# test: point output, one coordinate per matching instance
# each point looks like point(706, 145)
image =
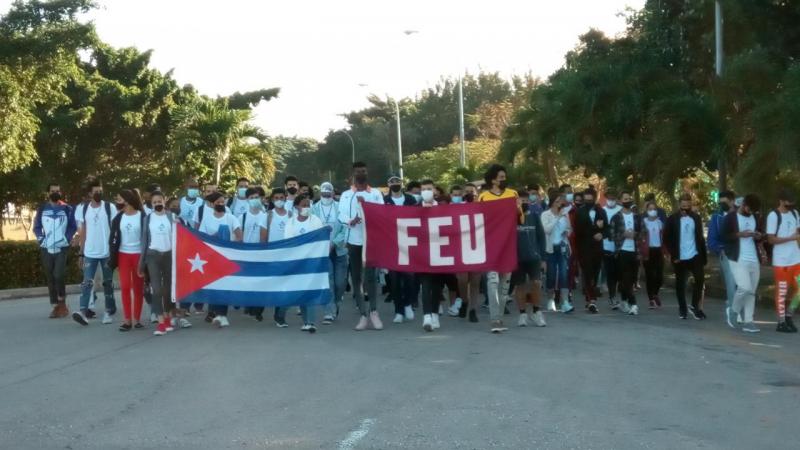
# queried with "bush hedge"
point(23, 266)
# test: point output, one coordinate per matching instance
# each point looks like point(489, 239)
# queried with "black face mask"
point(120, 206)
point(219, 208)
point(159, 208)
point(292, 190)
point(55, 196)
point(627, 205)
point(469, 198)
point(176, 211)
point(588, 203)
point(361, 178)
point(395, 188)
point(686, 211)
point(502, 184)
point(525, 207)
point(97, 196)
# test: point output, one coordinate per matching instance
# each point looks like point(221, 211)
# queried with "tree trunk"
point(219, 168)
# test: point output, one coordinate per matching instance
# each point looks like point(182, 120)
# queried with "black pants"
point(654, 272)
point(612, 272)
point(628, 267)
point(403, 289)
point(590, 271)
point(54, 266)
point(364, 278)
point(682, 270)
point(431, 291)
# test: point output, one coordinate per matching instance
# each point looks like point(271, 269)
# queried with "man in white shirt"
point(683, 236)
point(191, 203)
point(783, 228)
point(277, 220)
point(94, 221)
point(740, 232)
point(610, 265)
point(327, 209)
point(238, 203)
point(351, 215)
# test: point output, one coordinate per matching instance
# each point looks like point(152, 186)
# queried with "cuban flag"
point(207, 269)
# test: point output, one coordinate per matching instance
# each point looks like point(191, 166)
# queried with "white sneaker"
point(634, 311)
point(739, 319)
point(614, 303)
point(184, 323)
point(538, 319)
point(523, 320)
point(305, 327)
point(107, 319)
point(221, 322)
point(566, 307)
point(551, 305)
point(626, 307)
point(435, 321)
point(441, 309)
point(427, 322)
point(455, 308)
point(398, 318)
point(153, 318)
point(409, 313)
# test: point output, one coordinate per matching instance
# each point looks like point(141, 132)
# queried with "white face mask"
point(327, 201)
point(279, 203)
point(611, 203)
point(652, 213)
point(427, 196)
point(305, 212)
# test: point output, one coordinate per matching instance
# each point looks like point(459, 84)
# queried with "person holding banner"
point(557, 229)
point(432, 283)
point(527, 278)
point(351, 214)
point(402, 284)
point(277, 218)
point(301, 223)
point(327, 209)
point(497, 284)
point(157, 260)
point(254, 230)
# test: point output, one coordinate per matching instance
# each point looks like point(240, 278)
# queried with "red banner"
point(465, 237)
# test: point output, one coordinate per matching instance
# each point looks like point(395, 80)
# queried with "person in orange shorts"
point(783, 224)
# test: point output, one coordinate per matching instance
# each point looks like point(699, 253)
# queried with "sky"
point(328, 56)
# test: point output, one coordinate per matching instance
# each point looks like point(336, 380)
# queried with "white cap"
point(326, 187)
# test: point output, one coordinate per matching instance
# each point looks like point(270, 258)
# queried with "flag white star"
point(197, 263)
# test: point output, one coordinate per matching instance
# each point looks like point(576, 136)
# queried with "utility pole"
point(399, 139)
point(722, 169)
point(461, 122)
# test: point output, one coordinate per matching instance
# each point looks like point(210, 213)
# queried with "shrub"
point(22, 266)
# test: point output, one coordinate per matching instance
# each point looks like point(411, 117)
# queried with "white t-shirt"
point(222, 227)
point(294, 227)
point(160, 233)
point(747, 246)
point(252, 224)
point(654, 228)
point(208, 211)
point(96, 229)
point(788, 253)
point(277, 227)
point(189, 209)
point(557, 235)
point(592, 215)
point(239, 206)
point(628, 244)
point(608, 244)
point(398, 201)
point(349, 208)
point(688, 247)
point(131, 230)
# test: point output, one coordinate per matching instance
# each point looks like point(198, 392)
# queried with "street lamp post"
point(352, 143)
point(461, 123)
point(722, 169)
point(399, 138)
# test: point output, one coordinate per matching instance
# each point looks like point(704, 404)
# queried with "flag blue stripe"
point(269, 299)
point(323, 234)
point(282, 268)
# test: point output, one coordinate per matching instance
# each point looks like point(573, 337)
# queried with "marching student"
point(401, 284)
point(351, 214)
point(224, 225)
point(557, 228)
point(190, 203)
point(94, 223)
point(156, 259)
point(126, 248)
point(456, 194)
point(783, 233)
point(239, 203)
point(497, 284)
point(413, 188)
point(54, 227)
point(301, 223)
point(740, 234)
point(431, 283)
point(716, 244)
point(653, 253)
point(591, 226)
point(327, 209)
point(626, 227)
point(147, 206)
point(291, 187)
point(531, 248)
point(609, 257)
point(254, 229)
point(683, 236)
point(277, 218)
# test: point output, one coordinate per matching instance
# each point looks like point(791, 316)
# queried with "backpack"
point(107, 207)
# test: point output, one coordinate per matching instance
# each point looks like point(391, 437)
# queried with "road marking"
point(356, 435)
point(759, 344)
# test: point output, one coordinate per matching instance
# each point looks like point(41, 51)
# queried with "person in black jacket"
point(530, 263)
point(402, 286)
point(683, 236)
point(591, 226)
point(626, 227)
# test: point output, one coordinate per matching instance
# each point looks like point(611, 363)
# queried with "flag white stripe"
point(286, 283)
point(317, 249)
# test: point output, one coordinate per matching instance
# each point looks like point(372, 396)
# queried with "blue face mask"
point(534, 198)
point(417, 197)
point(242, 192)
point(457, 199)
point(192, 192)
point(254, 203)
point(570, 197)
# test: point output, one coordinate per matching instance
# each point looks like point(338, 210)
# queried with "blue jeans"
point(87, 286)
point(727, 276)
point(338, 282)
point(557, 269)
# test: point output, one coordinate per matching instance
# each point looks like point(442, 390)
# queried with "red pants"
point(785, 288)
point(129, 279)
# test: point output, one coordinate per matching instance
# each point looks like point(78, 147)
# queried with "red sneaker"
point(161, 330)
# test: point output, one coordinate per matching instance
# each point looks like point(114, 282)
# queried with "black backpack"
point(767, 246)
point(107, 207)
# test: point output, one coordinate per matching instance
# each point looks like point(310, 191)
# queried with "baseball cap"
point(395, 178)
point(326, 187)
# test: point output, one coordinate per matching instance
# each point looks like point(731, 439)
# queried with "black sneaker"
point(80, 318)
point(281, 324)
point(783, 327)
point(209, 317)
point(790, 323)
point(259, 317)
point(462, 312)
point(592, 308)
point(506, 311)
point(696, 313)
point(125, 327)
point(473, 316)
point(90, 314)
point(138, 326)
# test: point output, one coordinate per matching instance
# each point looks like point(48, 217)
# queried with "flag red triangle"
point(196, 264)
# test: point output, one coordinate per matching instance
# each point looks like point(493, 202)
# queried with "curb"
point(16, 294)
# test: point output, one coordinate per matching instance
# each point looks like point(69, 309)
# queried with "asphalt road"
point(602, 382)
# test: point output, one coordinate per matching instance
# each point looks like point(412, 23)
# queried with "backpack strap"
point(269, 222)
point(200, 214)
point(85, 207)
point(244, 221)
point(108, 212)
